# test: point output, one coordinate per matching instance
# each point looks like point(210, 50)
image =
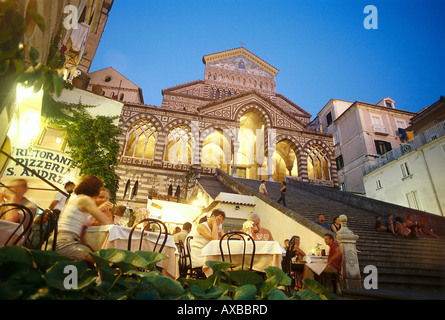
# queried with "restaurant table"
point(316, 263)
point(267, 253)
point(114, 236)
point(6, 229)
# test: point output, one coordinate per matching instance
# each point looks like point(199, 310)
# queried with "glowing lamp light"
point(29, 106)
point(29, 127)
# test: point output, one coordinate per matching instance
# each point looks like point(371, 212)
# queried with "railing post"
point(351, 278)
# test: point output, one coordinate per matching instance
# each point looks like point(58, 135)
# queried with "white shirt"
point(72, 219)
point(263, 189)
point(196, 246)
point(61, 200)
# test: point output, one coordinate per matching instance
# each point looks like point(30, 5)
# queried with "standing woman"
point(74, 218)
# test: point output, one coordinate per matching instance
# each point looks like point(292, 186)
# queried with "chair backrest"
point(184, 258)
point(188, 250)
point(149, 223)
point(286, 263)
point(25, 221)
point(240, 236)
point(44, 230)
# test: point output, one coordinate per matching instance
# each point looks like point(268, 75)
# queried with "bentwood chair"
point(26, 219)
point(44, 231)
point(150, 224)
point(184, 265)
point(194, 273)
point(243, 237)
point(286, 264)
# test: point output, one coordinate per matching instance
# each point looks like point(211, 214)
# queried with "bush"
point(123, 275)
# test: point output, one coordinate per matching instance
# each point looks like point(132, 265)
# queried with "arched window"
point(141, 140)
point(217, 94)
point(179, 147)
point(318, 164)
point(121, 97)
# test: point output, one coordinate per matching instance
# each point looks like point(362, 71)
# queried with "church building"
point(232, 119)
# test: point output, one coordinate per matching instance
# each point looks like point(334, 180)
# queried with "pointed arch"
point(318, 162)
point(179, 145)
point(141, 138)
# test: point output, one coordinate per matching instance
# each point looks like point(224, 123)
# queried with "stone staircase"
point(407, 268)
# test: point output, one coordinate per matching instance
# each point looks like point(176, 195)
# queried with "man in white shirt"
point(186, 228)
point(60, 199)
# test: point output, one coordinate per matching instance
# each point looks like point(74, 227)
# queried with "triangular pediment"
point(194, 88)
point(240, 60)
point(232, 109)
point(115, 77)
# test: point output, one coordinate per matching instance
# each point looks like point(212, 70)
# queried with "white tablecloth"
point(267, 253)
point(114, 236)
point(316, 263)
point(6, 229)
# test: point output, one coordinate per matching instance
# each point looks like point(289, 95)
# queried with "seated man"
point(393, 226)
point(334, 258)
point(320, 221)
point(259, 233)
point(16, 194)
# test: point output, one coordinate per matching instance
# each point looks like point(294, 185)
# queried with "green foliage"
point(92, 141)
point(19, 63)
point(123, 275)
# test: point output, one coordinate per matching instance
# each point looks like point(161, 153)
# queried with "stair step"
point(408, 269)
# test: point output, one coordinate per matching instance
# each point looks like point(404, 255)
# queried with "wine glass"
point(266, 237)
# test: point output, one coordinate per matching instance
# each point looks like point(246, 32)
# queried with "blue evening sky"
point(321, 47)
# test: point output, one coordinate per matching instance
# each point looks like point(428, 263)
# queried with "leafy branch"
point(19, 62)
point(92, 141)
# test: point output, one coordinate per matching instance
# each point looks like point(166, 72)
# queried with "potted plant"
point(81, 81)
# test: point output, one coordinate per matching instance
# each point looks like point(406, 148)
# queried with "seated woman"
point(206, 232)
point(103, 203)
point(336, 225)
point(74, 219)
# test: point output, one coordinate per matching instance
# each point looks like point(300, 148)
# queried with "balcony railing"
point(418, 141)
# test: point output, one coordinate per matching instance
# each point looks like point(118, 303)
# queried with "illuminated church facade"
point(233, 119)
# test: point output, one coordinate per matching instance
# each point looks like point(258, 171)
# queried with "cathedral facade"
point(233, 120)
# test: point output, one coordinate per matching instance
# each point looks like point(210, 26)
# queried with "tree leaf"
point(246, 292)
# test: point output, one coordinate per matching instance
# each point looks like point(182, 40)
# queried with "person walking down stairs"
point(283, 193)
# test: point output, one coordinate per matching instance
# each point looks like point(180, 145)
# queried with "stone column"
point(236, 146)
point(351, 278)
point(159, 149)
point(302, 166)
point(270, 152)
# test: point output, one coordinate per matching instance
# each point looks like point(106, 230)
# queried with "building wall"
point(356, 133)
point(115, 86)
point(427, 179)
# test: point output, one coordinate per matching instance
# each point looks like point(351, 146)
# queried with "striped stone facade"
point(217, 103)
